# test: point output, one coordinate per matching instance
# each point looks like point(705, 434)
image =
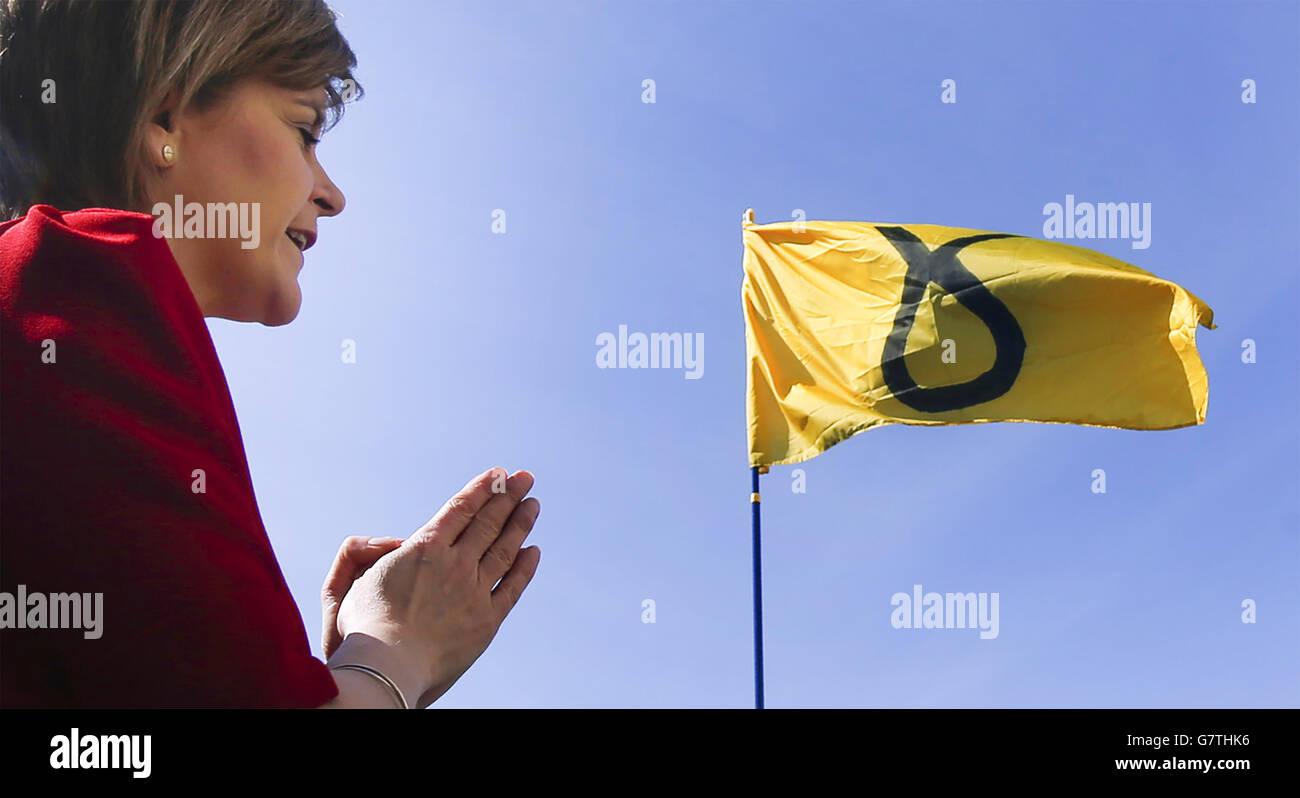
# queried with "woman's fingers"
point(513, 583)
point(447, 524)
point(503, 551)
point(355, 555)
point(483, 531)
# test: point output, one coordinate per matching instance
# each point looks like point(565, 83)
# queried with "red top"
point(99, 449)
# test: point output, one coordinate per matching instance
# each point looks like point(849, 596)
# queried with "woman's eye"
point(307, 138)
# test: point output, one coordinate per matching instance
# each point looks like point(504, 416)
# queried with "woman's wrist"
point(362, 649)
point(359, 691)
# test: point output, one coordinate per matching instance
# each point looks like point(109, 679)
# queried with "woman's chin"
point(284, 310)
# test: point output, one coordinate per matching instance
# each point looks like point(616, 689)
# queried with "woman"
point(124, 475)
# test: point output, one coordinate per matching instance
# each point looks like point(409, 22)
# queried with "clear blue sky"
point(476, 350)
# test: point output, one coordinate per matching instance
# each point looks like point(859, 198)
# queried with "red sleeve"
point(123, 473)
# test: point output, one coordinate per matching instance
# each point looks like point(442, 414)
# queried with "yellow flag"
point(850, 325)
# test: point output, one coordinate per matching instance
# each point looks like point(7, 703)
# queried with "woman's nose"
point(328, 196)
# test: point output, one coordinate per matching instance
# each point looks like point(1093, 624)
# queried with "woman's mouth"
point(298, 238)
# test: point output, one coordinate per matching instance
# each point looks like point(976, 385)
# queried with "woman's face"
point(249, 148)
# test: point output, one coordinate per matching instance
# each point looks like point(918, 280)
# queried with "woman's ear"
point(160, 131)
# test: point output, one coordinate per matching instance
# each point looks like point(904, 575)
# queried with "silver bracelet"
point(401, 699)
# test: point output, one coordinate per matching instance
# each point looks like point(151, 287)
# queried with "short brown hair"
point(114, 61)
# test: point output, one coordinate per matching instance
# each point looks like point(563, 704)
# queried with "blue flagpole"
point(758, 592)
point(746, 220)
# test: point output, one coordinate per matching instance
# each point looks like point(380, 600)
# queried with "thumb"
point(355, 556)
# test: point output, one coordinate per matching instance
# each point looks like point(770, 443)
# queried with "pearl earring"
point(168, 153)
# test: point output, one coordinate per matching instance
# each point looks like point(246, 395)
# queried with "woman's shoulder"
point(95, 292)
point(96, 271)
point(102, 226)
point(75, 242)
